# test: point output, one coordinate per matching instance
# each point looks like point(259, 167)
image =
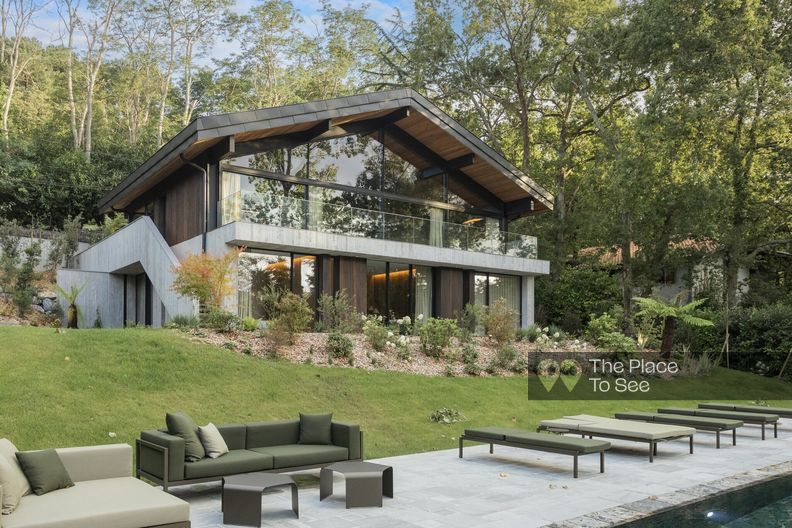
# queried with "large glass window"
point(350, 160)
point(490, 287)
point(377, 293)
point(262, 277)
point(423, 291)
point(399, 290)
point(304, 277)
point(396, 290)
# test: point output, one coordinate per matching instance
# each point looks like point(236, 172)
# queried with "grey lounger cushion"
point(553, 441)
point(585, 423)
point(681, 419)
point(122, 502)
point(732, 415)
point(784, 412)
point(494, 433)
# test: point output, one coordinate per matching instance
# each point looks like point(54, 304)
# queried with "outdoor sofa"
point(260, 446)
point(783, 412)
point(600, 426)
point(104, 495)
point(550, 443)
point(701, 423)
point(762, 419)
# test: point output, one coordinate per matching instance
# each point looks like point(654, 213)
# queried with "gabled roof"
point(422, 133)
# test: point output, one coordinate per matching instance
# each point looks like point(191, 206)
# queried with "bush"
point(500, 322)
point(375, 332)
point(569, 367)
point(294, 316)
point(521, 364)
point(470, 358)
point(339, 346)
point(469, 321)
point(445, 415)
point(505, 356)
point(436, 336)
point(337, 313)
point(603, 331)
point(205, 278)
point(25, 289)
point(184, 321)
point(220, 320)
point(570, 299)
point(530, 334)
point(250, 324)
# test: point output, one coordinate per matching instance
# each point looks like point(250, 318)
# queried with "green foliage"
point(469, 321)
point(500, 322)
point(184, 321)
point(662, 309)
point(294, 316)
point(436, 336)
point(249, 324)
point(97, 320)
point(220, 320)
point(65, 243)
point(337, 313)
point(24, 287)
point(531, 333)
point(205, 278)
point(110, 224)
point(569, 367)
point(505, 356)
point(376, 332)
point(470, 358)
point(339, 346)
point(578, 293)
point(446, 415)
point(603, 331)
point(268, 298)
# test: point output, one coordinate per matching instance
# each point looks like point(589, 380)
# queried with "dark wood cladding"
point(184, 215)
point(351, 275)
point(448, 292)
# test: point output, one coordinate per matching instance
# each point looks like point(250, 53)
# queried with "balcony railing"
point(326, 217)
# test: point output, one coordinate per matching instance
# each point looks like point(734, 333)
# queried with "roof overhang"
point(422, 134)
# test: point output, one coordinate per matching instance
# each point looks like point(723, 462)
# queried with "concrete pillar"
point(527, 299)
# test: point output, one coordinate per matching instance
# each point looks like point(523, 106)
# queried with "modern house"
point(382, 195)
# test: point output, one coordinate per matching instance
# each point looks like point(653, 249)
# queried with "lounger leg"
point(460, 447)
point(717, 439)
point(691, 443)
point(651, 451)
point(492, 450)
point(602, 461)
point(763, 431)
point(775, 430)
point(575, 470)
point(734, 436)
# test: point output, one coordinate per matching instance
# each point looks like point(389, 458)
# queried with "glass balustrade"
point(328, 217)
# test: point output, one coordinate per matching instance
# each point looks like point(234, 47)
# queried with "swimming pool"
point(766, 504)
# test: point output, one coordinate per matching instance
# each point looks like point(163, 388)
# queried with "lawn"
point(77, 387)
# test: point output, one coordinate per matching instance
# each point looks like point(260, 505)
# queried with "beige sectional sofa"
point(104, 495)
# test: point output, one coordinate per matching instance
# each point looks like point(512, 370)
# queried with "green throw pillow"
point(315, 429)
point(180, 424)
point(44, 470)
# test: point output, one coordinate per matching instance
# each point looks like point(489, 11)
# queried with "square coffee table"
point(241, 496)
point(366, 482)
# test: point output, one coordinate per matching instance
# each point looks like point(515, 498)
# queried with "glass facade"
point(491, 287)
point(262, 274)
point(395, 290)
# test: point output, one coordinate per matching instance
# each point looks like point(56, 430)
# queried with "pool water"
point(767, 504)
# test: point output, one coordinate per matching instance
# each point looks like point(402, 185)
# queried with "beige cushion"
point(122, 502)
point(97, 462)
point(213, 442)
point(13, 481)
point(627, 428)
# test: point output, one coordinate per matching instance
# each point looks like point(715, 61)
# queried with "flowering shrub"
point(375, 331)
point(436, 336)
point(205, 278)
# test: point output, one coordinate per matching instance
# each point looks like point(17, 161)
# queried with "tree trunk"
point(667, 342)
point(559, 208)
point(71, 316)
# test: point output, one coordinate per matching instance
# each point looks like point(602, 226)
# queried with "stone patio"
point(523, 488)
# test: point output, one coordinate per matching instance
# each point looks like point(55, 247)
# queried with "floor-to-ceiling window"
point(264, 275)
point(491, 287)
point(395, 290)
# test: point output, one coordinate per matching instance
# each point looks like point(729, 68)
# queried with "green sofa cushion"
point(234, 435)
point(180, 424)
point(554, 441)
point(232, 463)
point(285, 456)
point(316, 429)
point(44, 470)
point(263, 434)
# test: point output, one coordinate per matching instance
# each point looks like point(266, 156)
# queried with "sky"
point(46, 24)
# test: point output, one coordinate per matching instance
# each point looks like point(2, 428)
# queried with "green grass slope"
point(77, 387)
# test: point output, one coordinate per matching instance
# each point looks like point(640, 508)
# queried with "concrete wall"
point(528, 303)
point(100, 291)
point(46, 249)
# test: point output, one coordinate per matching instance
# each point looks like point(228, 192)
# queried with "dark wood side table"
point(241, 496)
point(366, 482)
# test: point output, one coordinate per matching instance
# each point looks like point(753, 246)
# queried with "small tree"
point(73, 311)
point(500, 322)
point(205, 278)
point(24, 286)
point(669, 312)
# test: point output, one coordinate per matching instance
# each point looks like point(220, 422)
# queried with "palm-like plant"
point(73, 312)
point(669, 312)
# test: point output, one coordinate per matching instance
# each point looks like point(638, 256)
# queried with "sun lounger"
point(600, 426)
point(762, 419)
point(701, 423)
point(550, 443)
point(783, 412)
